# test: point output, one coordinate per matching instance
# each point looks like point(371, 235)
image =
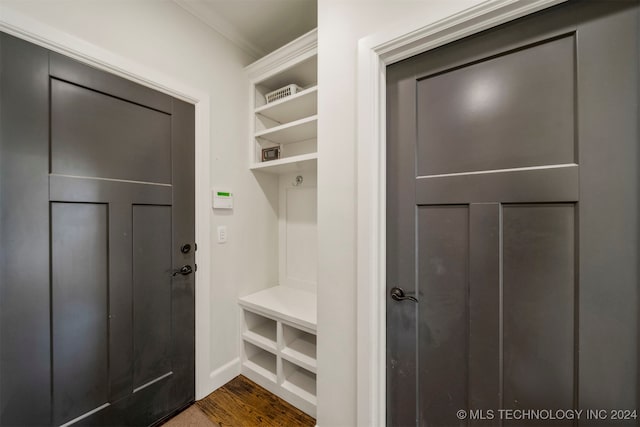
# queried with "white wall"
point(159, 35)
point(341, 23)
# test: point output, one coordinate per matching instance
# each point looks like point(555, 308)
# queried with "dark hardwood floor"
point(242, 402)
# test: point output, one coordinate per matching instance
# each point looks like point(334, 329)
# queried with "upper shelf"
point(284, 303)
point(299, 130)
point(298, 106)
point(295, 64)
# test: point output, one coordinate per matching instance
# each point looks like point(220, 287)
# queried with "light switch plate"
point(222, 234)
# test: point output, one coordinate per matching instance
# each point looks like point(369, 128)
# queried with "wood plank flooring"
point(243, 403)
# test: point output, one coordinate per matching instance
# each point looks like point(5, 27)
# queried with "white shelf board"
point(295, 107)
point(299, 130)
point(303, 162)
point(303, 384)
point(290, 305)
point(263, 336)
point(302, 352)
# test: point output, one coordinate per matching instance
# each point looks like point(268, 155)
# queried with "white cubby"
point(288, 368)
point(260, 331)
point(301, 105)
point(300, 130)
point(299, 347)
point(260, 361)
point(299, 381)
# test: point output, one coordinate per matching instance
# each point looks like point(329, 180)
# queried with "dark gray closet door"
point(96, 200)
point(512, 216)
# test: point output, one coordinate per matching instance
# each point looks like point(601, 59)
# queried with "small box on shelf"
point(270, 153)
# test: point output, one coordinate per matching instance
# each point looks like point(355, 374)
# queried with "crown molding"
point(299, 49)
point(220, 25)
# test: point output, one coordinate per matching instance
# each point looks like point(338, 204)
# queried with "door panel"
point(151, 293)
point(79, 302)
point(121, 145)
point(513, 110)
point(443, 259)
point(530, 129)
point(97, 196)
point(538, 298)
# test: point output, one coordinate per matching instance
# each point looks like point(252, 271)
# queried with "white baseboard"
point(220, 377)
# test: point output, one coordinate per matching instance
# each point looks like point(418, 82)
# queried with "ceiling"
point(256, 26)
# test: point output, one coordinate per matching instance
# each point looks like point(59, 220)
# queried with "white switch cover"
point(222, 234)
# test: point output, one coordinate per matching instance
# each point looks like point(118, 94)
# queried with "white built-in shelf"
point(289, 133)
point(301, 352)
point(263, 336)
point(284, 364)
point(301, 382)
point(303, 162)
point(262, 363)
point(295, 107)
point(278, 330)
point(301, 70)
point(284, 303)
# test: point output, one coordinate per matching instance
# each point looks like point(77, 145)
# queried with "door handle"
point(184, 270)
point(397, 294)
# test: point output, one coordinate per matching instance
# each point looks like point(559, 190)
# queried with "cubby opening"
point(260, 361)
point(261, 330)
point(299, 347)
point(303, 74)
point(299, 381)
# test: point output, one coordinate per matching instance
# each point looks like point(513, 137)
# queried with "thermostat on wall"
point(222, 199)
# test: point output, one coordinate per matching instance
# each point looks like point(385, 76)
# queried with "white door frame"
point(26, 28)
point(375, 53)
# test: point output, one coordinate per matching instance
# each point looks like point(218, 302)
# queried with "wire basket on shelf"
point(283, 92)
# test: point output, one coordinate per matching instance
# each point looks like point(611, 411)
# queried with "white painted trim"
point(26, 28)
point(525, 168)
point(85, 415)
point(203, 12)
point(93, 178)
point(375, 52)
point(292, 53)
point(225, 373)
point(160, 378)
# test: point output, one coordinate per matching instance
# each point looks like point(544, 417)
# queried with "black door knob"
point(186, 248)
point(184, 270)
point(397, 294)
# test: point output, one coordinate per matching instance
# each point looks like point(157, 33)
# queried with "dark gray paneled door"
point(513, 211)
point(96, 201)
